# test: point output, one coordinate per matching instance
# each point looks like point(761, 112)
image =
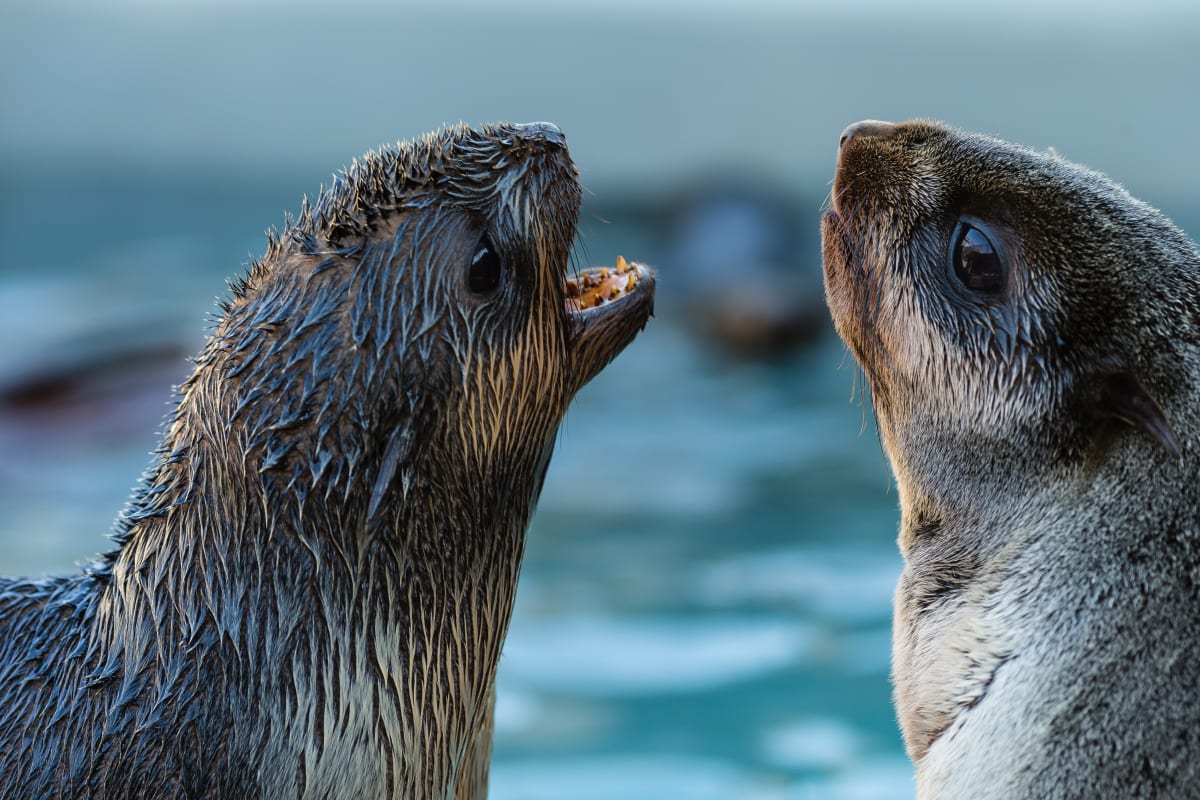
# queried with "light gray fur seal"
point(1031, 336)
point(313, 583)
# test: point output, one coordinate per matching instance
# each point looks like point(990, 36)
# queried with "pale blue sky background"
point(646, 93)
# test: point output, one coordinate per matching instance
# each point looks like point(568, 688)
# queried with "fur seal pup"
point(1031, 336)
point(313, 582)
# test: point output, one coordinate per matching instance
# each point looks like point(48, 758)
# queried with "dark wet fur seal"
point(314, 580)
point(1031, 336)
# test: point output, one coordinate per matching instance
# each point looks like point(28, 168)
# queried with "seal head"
point(1030, 335)
point(314, 581)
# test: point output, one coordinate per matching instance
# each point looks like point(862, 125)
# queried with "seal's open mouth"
point(597, 286)
point(606, 306)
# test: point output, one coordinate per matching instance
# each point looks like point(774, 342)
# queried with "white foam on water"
point(675, 777)
point(649, 655)
point(815, 743)
point(516, 710)
point(628, 777)
point(841, 585)
point(882, 778)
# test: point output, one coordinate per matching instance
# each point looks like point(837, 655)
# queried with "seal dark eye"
point(976, 262)
point(486, 269)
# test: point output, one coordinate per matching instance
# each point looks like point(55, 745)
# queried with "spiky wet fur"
point(313, 583)
point(1047, 628)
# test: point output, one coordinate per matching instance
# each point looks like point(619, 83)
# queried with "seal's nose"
point(543, 132)
point(867, 128)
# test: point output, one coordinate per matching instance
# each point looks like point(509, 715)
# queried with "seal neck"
point(333, 627)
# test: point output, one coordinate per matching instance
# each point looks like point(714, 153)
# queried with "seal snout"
point(866, 128)
point(542, 132)
point(861, 161)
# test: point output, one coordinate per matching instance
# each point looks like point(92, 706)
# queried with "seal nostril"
point(867, 127)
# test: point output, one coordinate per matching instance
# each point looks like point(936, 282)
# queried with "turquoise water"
point(704, 611)
point(704, 607)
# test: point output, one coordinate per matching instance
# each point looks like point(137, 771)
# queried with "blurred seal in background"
point(742, 267)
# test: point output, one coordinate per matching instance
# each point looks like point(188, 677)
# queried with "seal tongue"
point(607, 306)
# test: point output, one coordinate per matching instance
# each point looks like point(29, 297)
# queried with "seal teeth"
point(598, 285)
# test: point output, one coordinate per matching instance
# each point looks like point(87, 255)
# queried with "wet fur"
point(314, 580)
point(1047, 628)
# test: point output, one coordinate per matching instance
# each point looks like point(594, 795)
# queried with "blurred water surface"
point(704, 608)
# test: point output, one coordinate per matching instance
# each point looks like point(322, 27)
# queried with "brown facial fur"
point(1044, 441)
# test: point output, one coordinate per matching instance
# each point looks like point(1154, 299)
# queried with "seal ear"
point(1121, 396)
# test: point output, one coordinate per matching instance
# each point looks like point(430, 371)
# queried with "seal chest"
point(313, 583)
point(1030, 335)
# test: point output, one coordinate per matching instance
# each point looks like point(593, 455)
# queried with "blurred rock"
point(740, 265)
point(89, 391)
